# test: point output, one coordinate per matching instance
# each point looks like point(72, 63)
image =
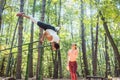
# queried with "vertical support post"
point(28, 60)
point(40, 77)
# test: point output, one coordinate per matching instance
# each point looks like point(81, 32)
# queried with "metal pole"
point(28, 60)
point(41, 67)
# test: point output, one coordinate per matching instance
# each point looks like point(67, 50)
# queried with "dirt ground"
point(84, 79)
point(58, 79)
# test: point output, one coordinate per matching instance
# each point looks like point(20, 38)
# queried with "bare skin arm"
point(43, 37)
point(68, 58)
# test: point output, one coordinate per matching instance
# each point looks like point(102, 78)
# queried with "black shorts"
point(45, 26)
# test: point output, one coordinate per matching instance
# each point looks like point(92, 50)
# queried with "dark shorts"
point(45, 26)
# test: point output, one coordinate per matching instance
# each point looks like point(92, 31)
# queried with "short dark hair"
point(56, 45)
point(75, 45)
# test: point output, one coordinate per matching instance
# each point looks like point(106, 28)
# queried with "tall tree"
point(2, 67)
point(59, 53)
point(92, 37)
point(55, 62)
point(116, 70)
point(31, 45)
point(20, 41)
point(108, 68)
point(8, 68)
point(116, 51)
point(95, 52)
point(2, 5)
point(83, 40)
point(71, 26)
point(40, 49)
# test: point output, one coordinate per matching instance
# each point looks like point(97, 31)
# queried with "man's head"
point(55, 46)
point(74, 46)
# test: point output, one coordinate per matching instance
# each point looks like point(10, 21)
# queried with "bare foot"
point(20, 14)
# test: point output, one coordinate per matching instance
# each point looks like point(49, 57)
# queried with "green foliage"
point(70, 26)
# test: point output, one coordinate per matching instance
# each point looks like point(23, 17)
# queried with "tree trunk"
point(55, 75)
point(20, 41)
point(116, 72)
point(83, 41)
point(116, 52)
point(92, 37)
point(48, 13)
point(10, 54)
point(11, 66)
point(40, 50)
point(31, 45)
point(59, 63)
point(50, 69)
point(95, 52)
point(2, 4)
point(108, 69)
point(14, 68)
point(55, 62)
point(59, 53)
point(2, 68)
point(0, 20)
point(71, 26)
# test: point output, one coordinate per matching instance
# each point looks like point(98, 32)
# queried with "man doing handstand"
point(50, 32)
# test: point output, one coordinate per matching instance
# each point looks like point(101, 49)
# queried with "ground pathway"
point(58, 79)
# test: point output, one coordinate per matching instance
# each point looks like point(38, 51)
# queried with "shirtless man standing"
point(71, 63)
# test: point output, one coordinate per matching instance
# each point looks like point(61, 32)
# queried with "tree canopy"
point(94, 25)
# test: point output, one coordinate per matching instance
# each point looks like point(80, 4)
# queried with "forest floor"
point(57, 79)
point(84, 79)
